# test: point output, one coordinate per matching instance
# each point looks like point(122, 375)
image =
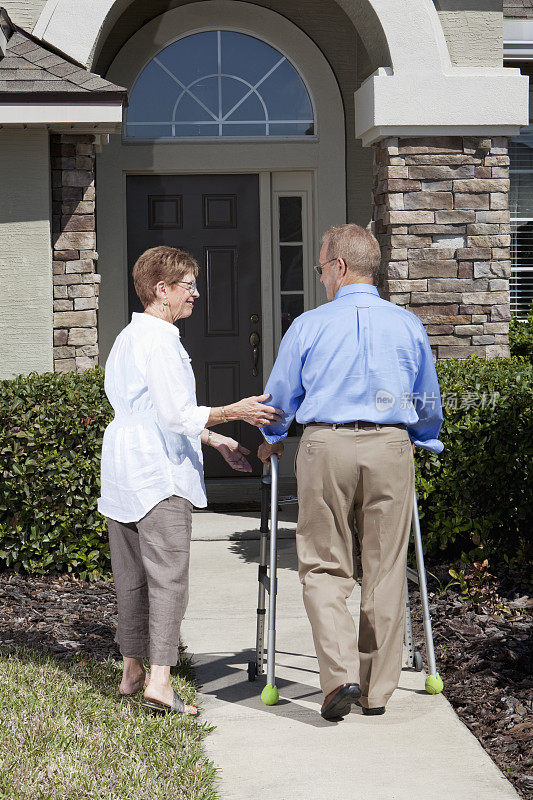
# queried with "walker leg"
point(434, 684)
point(408, 638)
point(256, 667)
point(270, 695)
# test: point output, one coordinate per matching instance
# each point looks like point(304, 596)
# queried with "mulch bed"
point(483, 658)
point(60, 616)
point(485, 661)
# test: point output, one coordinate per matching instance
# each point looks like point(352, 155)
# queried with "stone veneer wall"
point(519, 9)
point(74, 252)
point(441, 215)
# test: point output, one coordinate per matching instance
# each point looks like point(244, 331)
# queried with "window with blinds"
point(521, 207)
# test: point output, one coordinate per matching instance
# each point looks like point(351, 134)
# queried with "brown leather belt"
point(357, 425)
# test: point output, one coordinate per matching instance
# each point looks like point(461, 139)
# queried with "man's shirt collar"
point(359, 288)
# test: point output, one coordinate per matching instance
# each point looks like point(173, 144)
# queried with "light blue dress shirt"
point(357, 358)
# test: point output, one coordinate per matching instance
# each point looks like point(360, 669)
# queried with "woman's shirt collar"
point(148, 319)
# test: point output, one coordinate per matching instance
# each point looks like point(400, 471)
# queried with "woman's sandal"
point(177, 707)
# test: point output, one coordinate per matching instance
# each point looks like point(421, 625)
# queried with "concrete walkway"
point(419, 750)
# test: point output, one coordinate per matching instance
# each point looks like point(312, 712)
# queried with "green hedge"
point(476, 493)
point(51, 429)
point(476, 496)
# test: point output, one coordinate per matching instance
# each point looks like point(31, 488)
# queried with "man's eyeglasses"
point(190, 285)
point(318, 267)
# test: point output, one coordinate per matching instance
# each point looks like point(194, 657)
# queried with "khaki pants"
point(150, 562)
point(366, 474)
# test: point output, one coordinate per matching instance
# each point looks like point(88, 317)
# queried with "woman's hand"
point(232, 452)
point(253, 411)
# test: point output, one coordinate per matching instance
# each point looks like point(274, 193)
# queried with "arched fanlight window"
point(219, 84)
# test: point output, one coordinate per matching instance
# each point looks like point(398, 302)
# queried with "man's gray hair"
point(357, 246)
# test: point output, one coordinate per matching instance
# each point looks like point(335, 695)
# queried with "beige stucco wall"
point(24, 12)
point(25, 253)
point(473, 31)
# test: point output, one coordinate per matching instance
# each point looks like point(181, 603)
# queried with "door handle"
point(254, 342)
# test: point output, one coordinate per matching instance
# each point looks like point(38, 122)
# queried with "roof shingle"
point(31, 66)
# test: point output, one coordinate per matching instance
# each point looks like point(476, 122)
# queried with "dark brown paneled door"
point(216, 218)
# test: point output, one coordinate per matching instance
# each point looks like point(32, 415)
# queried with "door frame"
point(271, 186)
point(323, 209)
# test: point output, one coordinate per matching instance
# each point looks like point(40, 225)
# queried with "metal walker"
point(268, 583)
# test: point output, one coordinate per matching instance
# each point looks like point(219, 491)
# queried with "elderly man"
point(358, 373)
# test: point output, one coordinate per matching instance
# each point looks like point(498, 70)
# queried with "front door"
point(216, 219)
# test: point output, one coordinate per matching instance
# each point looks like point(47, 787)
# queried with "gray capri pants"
point(150, 562)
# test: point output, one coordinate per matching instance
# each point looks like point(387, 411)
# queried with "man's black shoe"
point(339, 702)
point(372, 712)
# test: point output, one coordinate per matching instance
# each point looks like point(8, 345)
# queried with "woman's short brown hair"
point(160, 264)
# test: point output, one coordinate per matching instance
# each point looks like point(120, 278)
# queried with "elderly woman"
point(152, 471)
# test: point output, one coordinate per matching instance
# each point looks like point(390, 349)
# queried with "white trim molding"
point(485, 102)
point(82, 117)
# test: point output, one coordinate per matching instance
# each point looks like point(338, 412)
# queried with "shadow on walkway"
point(221, 675)
point(248, 551)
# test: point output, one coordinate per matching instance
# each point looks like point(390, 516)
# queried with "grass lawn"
point(65, 734)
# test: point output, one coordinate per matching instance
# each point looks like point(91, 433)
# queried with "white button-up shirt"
point(152, 448)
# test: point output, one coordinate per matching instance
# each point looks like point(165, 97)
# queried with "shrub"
point(521, 336)
point(51, 429)
point(476, 496)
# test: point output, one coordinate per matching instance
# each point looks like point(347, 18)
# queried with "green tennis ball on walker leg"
point(270, 695)
point(434, 684)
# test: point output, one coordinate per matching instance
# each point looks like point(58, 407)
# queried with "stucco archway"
point(405, 35)
point(415, 90)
